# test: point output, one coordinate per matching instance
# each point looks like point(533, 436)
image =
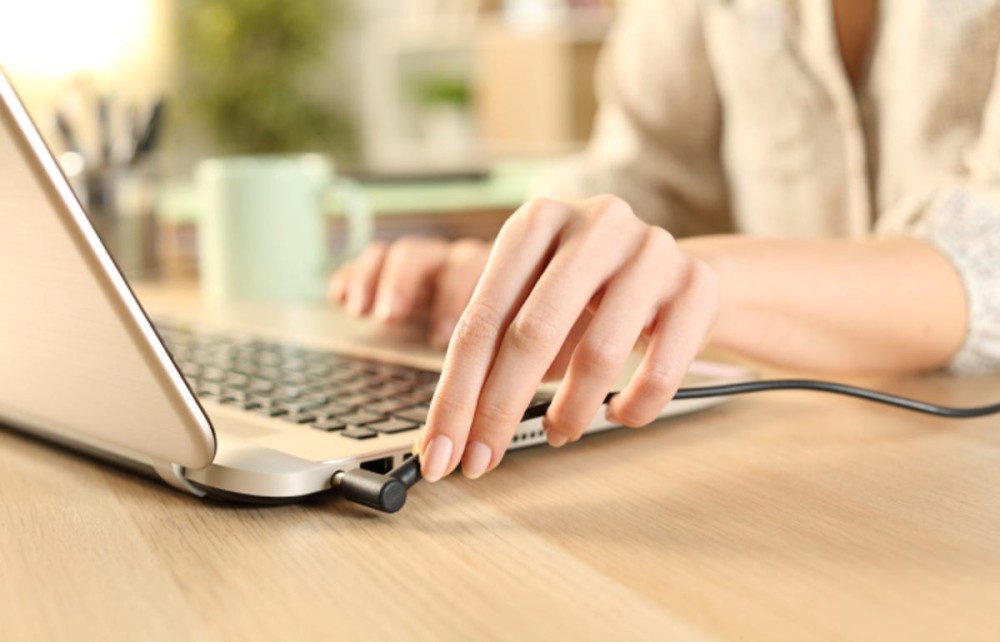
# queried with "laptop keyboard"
point(319, 389)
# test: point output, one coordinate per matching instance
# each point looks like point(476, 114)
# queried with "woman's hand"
point(403, 280)
point(574, 285)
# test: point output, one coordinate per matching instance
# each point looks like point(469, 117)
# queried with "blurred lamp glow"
point(59, 37)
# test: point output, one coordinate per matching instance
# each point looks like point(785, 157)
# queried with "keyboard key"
point(358, 433)
point(387, 406)
point(297, 408)
point(261, 398)
point(356, 399)
point(300, 417)
point(190, 369)
point(392, 425)
point(319, 371)
point(270, 373)
point(244, 368)
point(360, 418)
point(244, 403)
point(294, 365)
point(332, 410)
point(269, 359)
point(261, 385)
point(270, 411)
point(237, 380)
point(299, 379)
point(287, 393)
point(428, 388)
point(416, 413)
point(329, 425)
point(209, 389)
point(415, 398)
point(391, 389)
point(316, 398)
point(214, 375)
point(235, 393)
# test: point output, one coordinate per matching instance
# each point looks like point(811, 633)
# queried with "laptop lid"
point(79, 360)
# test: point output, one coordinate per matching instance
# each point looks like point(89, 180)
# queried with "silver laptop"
point(238, 416)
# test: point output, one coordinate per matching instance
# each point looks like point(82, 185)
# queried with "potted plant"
point(249, 73)
point(244, 74)
point(445, 104)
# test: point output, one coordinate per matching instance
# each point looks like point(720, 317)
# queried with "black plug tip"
point(371, 489)
point(386, 493)
point(407, 472)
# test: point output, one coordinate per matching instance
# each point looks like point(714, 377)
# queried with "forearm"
point(892, 304)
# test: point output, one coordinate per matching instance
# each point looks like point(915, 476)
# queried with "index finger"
point(582, 265)
point(517, 259)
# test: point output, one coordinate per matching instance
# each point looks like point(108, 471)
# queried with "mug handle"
point(357, 213)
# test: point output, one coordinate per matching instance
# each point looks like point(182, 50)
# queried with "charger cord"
point(387, 493)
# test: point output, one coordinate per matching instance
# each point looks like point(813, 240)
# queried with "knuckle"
point(448, 405)
point(467, 247)
point(479, 324)
point(704, 280)
point(407, 245)
point(491, 415)
point(539, 213)
point(656, 383)
point(567, 422)
point(598, 356)
point(375, 247)
point(531, 329)
point(660, 241)
point(609, 208)
point(634, 417)
point(606, 214)
point(370, 255)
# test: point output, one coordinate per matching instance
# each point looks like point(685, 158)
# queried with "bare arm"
point(881, 304)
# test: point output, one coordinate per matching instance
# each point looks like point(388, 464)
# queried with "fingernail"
point(354, 300)
point(443, 331)
point(477, 457)
point(334, 290)
point(385, 308)
point(434, 463)
point(556, 439)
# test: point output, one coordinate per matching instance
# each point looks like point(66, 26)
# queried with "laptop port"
point(380, 466)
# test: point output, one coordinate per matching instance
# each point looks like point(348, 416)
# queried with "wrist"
point(711, 251)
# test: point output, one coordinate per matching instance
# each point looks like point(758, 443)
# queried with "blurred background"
point(445, 111)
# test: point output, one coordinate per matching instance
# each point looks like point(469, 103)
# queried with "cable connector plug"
point(386, 493)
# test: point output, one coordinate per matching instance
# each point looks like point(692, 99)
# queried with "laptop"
point(214, 412)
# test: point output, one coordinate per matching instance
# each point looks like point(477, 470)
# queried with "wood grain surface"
point(782, 516)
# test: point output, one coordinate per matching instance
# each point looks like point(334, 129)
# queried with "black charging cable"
point(387, 492)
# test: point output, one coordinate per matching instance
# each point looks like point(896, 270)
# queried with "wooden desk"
point(785, 516)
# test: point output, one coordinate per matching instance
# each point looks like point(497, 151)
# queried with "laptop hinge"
point(173, 474)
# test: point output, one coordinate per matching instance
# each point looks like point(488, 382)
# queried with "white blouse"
point(738, 115)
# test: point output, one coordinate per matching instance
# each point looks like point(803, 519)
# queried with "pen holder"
point(119, 204)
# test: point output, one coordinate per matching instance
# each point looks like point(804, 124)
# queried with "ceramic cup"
point(262, 228)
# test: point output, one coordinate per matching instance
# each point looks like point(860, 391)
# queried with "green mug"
point(262, 228)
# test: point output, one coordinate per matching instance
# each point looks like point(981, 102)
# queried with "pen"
point(66, 131)
point(147, 140)
point(104, 128)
